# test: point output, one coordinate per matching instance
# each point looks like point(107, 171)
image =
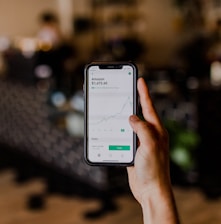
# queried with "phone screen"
point(110, 100)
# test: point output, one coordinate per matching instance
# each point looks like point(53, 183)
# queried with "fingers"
point(141, 129)
point(148, 109)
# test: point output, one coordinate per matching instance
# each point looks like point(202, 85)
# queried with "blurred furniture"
point(24, 125)
point(19, 66)
point(109, 30)
point(32, 144)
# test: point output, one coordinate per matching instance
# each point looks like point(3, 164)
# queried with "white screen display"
point(110, 102)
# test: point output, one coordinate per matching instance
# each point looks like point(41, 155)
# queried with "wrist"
point(158, 205)
point(156, 189)
point(154, 193)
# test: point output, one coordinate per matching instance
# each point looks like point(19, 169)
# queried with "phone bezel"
point(109, 65)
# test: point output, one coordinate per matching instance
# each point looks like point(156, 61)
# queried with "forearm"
point(159, 206)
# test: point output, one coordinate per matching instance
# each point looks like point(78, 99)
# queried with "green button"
point(119, 147)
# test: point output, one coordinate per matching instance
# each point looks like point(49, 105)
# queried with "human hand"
point(151, 166)
point(149, 178)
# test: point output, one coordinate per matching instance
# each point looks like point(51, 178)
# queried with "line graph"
point(110, 115)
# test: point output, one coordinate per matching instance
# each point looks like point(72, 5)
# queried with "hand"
point(151, 162)
point(149, 178)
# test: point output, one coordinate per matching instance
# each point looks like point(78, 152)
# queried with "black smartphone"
point(110, 91)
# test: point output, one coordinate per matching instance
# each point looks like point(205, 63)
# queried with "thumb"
point(133, 119)
point(141, 128)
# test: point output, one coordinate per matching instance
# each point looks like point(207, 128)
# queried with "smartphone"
point(110, 91)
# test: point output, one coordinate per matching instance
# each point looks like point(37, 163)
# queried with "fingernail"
point(134, 118)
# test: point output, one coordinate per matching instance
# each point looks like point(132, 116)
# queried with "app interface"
point(110, 103)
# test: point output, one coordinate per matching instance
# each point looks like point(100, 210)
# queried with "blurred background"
point(44, 46)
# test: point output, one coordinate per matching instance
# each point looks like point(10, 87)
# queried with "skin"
point(149, 178)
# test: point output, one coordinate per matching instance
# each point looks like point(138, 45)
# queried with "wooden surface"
point(193, 207)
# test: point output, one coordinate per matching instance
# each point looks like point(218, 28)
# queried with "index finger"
point(148, 110)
